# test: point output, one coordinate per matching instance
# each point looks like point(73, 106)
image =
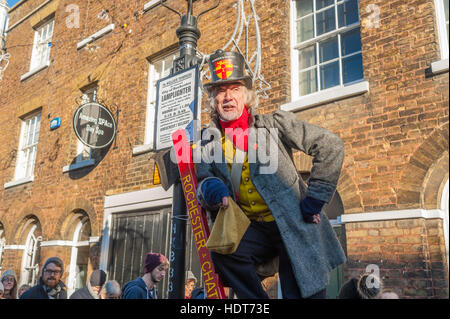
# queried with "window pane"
point(348, 13)
point(329, 75)
point(323, 3)
point(303, 7)
point(326, 21)
point(31, 160)
point(31, 131)
point(308, 82)
point(307, 57)
point(36, 130)
point(328, 49)
point(352, 68)
point(50, 30)
point(305, 29)
point(351, 42)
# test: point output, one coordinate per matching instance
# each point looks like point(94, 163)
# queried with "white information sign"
point(176, 105)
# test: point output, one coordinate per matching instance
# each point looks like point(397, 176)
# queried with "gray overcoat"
point(313, 249)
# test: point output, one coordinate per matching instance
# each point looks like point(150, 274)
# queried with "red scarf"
point(239, 137)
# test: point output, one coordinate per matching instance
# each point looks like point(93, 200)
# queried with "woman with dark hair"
point(9, 281)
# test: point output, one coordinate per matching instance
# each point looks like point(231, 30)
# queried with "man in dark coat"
point(50, 285)
point(247, 156)
point(144, 287)
point(93, 288)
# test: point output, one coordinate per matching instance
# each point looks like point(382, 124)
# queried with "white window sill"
point(439, 66)
point(18, 182)
point(142, 149)
point(151, 4)
point(32, 72)
point(95, 36)
point(82, 164)
point(327, 96)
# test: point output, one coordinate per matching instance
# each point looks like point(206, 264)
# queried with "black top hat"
point(227, 67)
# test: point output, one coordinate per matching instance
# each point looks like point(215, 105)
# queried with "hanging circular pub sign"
point(94, 125)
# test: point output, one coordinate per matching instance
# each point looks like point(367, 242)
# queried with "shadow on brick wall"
point(98, 155)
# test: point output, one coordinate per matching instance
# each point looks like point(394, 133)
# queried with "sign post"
point(176, 109)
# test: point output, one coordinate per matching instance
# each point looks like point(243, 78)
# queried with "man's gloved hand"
point(215, 192)
point(311, 208)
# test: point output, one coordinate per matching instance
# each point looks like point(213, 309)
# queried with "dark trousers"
point(261, 242)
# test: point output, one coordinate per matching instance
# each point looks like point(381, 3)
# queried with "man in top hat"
point(156, 266)
point(286, 214)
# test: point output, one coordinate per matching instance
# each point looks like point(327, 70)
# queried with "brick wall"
point(408, 253)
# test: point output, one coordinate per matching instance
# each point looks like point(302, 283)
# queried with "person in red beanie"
point(155, 268)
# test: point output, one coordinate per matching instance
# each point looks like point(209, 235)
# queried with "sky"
point(12, 2)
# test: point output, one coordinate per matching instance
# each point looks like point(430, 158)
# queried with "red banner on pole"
point(197, 216)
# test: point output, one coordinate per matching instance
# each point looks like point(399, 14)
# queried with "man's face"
point(96, 289)
point(229, 100)
point(8, 282)
point(159, 272)
point(52, 275)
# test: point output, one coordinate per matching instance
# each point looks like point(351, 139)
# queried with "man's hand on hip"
point(310, 208)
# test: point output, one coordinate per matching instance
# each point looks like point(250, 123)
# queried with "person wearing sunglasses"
point(49, 285)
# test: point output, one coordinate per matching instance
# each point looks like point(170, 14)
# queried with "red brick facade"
point(396, 134)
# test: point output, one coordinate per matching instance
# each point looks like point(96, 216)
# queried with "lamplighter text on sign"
point(94, 125)
point(175, 105)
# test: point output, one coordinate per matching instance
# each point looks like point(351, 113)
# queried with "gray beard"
point(230, 117)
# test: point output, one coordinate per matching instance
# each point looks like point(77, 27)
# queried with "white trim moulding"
point(19, 182)
point(327, 96)
point(64, 243)
point(151, 4)
point(15, 247)
point(33, 72)
point(142, 149)
point(440, 66)
point(392, 215)
point(79, 165)
point(95, 36)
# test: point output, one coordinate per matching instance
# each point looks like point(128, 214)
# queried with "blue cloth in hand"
point(310, 206)
point(213, 191)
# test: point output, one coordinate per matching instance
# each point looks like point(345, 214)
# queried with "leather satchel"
point(228, 229)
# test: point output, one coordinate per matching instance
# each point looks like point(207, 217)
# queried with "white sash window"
point(326, 44)
point(29, 138)
point(42, 44)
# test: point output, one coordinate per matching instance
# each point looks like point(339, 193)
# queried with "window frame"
point(21, 158)
point(151, 92)
point(296, 47)
point(31, 256)
point(442, 29)
point(76, 244)
point(39, 58)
